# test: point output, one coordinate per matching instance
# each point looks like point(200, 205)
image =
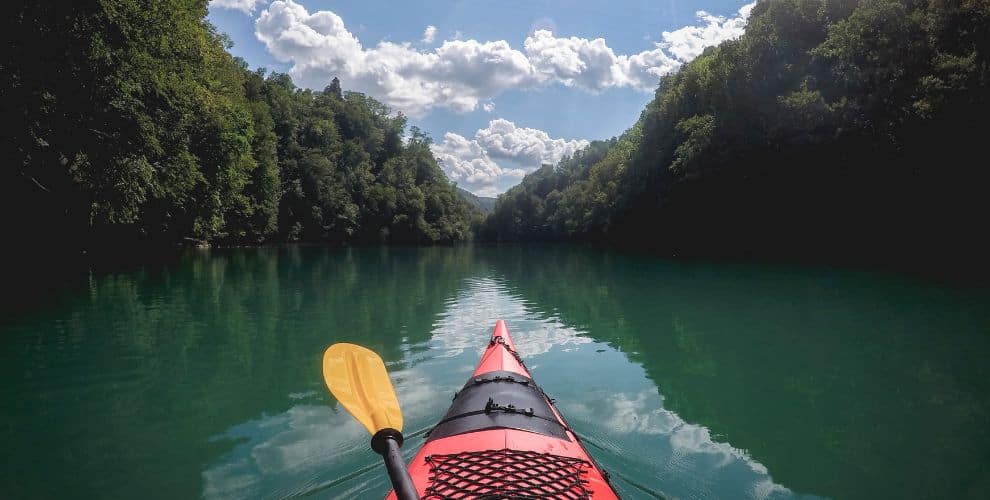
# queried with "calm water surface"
point(201, 377)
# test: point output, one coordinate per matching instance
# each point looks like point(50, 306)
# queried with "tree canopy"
point(834, 126)
point(129, 122)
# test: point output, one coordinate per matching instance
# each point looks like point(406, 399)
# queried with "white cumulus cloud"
point(455, 75)
point(690, 41)
point(429, 34)
point(460, 74)
point(245, 6)
point(472, 162)
point(527, 146)
point(468, 164)
point(573, 61)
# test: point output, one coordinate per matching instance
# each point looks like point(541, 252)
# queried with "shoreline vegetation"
point(831, 130)
point(840, 129)
point(128, 123)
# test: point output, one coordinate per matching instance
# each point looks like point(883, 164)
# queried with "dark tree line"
point(832, 126)
point(128, 122)
point(837, 127)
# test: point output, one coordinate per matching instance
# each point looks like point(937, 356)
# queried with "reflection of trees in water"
point(142, 360)
point(842, 383)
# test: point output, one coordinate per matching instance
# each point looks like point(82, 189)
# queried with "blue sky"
point(501, 86)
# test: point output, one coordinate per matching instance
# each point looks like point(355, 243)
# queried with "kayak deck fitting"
point(503, 438)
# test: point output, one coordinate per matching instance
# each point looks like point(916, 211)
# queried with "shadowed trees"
point(127, 122)
point(830, 127)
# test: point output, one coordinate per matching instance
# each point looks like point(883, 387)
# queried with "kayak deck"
point(503, 438)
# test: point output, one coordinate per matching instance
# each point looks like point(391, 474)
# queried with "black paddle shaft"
point(386, 442)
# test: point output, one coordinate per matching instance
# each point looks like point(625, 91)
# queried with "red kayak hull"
point(500, 450)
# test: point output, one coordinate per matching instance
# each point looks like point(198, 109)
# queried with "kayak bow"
point(503, 438)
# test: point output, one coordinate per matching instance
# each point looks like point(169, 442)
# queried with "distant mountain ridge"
point(484, 204)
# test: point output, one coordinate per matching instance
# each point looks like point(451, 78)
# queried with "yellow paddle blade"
point(357, 378)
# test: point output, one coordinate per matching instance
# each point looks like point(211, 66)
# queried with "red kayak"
point(503, 438)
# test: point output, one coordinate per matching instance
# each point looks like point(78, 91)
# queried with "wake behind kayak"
point(503, 438)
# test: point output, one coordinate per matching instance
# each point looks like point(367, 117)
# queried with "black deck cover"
point(499, 400)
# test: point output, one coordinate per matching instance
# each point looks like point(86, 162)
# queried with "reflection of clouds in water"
point(304, 446)
point(691, 453)
point(552, 334)
point(296, 443)
point(691, 447)
point(310, 445)
point(470, 317)
point(766, 488)
point(303, 395)
point(629, 416)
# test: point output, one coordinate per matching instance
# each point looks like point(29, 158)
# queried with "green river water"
point(200, 377)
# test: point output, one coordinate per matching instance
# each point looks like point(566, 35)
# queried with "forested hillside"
point(128, 122)
point(836, 127)
point(484, 204)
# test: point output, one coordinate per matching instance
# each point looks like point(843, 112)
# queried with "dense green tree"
point(347, 174)
point(832, 126)
point(123, 117)
point(129, 122)
point(837, 127)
